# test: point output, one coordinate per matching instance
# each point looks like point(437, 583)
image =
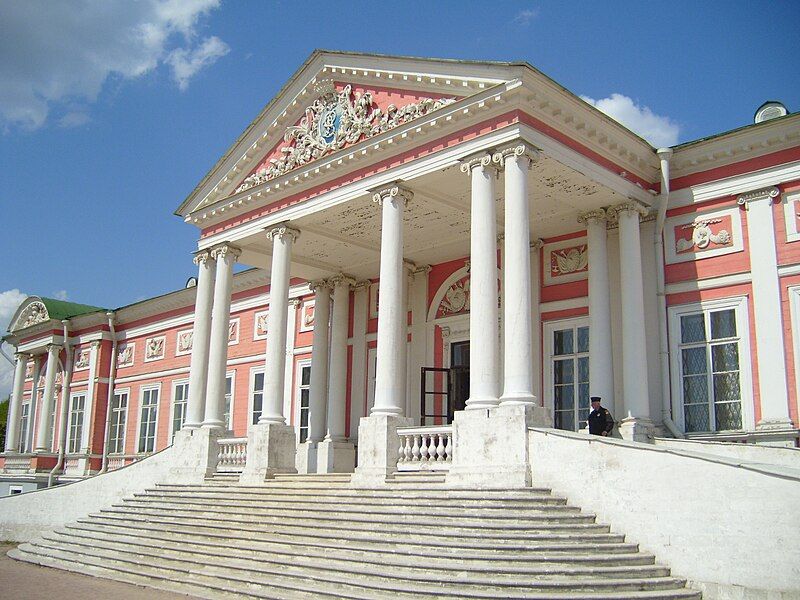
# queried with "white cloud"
point(60, 295)
point(9, 303)
point(74, 118)
point(659, 131)
point(526, 16)
point(186, 63)
point(52, 53)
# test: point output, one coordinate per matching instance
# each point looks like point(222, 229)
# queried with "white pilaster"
point(517, 340)
point(48, 398)
point(33, 413)
point(601, 374)
point(91, 392)
point(636, 425)
point(14, 408)
point(318, 392)
point(767, 309)
point(337, 376)
point(418, 352)
point(282, 239)
point(225, 257)
point(201, 339)
point(536, 318)
point(483, 317)
point(288, 371)
point(390, 380)
point(358, 378)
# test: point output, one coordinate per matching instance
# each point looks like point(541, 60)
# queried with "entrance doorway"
point(443, 391)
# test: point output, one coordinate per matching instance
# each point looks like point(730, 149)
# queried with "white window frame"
point(70, 423)
point(674, 314)
point(549, 328)
point(24, 422)
point(126, 412)
point(794, 312)
point(142, 391)
point(232, 376)
point(251, 395)
point(372, 367)
point(301, 364)
point(14, 490)
point(175, 384)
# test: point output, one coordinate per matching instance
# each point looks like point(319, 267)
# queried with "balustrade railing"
point(232, 455)
point(425, 448)
point(17, 463)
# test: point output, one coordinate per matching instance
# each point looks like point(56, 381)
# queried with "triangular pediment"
point(335, 101)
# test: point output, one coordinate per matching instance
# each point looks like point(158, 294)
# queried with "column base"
point(482, 403)
point(776, 432)
point(635, 429)
point(336, 456)
point(271, 449)
point(518, 398)
point(378, 447)
point(490, 449)
point(306, 459)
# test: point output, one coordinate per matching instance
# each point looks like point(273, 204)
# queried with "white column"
point(201, 339)
point(483, 317)
point(390, 385)
point(337, 375)
point(767, 308)
point(636, 425)
point(48, 398)
point(12, 422)
point(288, 361)
point(517, 340)
point(318, 392)
point(601, 374)
point(225, 257)
point(358, 377)
point(536, 318)
point(274, 373)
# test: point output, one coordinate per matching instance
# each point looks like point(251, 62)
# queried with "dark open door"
point(434, 385)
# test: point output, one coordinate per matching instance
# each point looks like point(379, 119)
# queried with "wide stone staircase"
point(317, 537)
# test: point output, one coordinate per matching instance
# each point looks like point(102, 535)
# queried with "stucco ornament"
point(82, 359)
point(702, 236)
point(456, 298)
point(337, 119)
point(154, 348)
point(570, 260)
point(34, 313)
point(185, 339)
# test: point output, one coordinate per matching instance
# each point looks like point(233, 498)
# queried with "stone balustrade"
point(425, 448)
point(232, 455)
point(17, 463)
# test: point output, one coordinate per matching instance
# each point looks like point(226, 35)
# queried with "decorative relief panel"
point(233, 332)
point(697, 236)
point(260, 327)
point(565, 261)
point(183, 343)
point(29, 371)
point(34, 313)
point(791, 213)
point(335, 120)
point(125, 355)
point(154, 348)
point(456, 299)
point(307, 316)
point(374, 290)
point(82, 359)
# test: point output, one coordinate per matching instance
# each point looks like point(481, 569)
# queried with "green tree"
point(3, 420)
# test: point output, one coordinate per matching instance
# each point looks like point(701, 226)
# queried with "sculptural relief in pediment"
point(339, 117)
point(33, 314)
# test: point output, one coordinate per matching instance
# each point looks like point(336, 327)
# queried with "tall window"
point(710, 374)
point(147, 423)
point(569, 369)
point(179, 398)
point(258, 396)
point(303, 394)
point(77, 405)
point(226, 419)
point(119, 415)
point(23, 427)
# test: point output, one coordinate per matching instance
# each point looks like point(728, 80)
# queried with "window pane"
point(583, 339)
point(694, 361)
point(695, 389)
point(583, 369)
point(564, 419)
point(725, 357)
point(729, 415)
point(304, 398)
point(303, 418)
point(564, 371)
point(564, 397)
point(562, 342)
point(305, 376)
point(693, 329)
point(726, 387)
point(696, 417)
point(723, 324)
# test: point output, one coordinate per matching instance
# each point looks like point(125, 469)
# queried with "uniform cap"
point(595, 398)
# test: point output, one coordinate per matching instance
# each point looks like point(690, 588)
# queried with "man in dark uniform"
point(600, 420)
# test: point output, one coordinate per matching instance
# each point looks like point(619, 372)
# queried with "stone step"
point(388, 581)
point(311, 506)
point(577, 540)
point(367, 552)
point(222, 585)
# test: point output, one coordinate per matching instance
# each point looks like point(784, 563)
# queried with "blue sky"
point(111, 112)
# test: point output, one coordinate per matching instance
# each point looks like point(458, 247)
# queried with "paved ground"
point(25, 581)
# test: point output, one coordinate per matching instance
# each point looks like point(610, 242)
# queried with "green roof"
point(60, 309)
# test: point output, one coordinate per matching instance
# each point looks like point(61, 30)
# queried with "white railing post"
point(232, 455)
point(425, 448)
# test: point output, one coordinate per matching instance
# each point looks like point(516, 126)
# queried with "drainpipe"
point(112, 374)
point(664, 154)
point(62, 424)
point(3, 352)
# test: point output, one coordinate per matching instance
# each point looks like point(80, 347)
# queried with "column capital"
point(598, 214)
point(294, 302)
point(22, 356)
point(421, 269)
point(281, 231)
point(362, 285)
point(480, 159)
point(54, 348)
point(96, 344)
point(633, 206)
point(537, 244)
point(342, 279)
point(202, 257)
point(517, 150)
point(224, 250)
point(394, 190)
point(319, 284)
point(767, 193)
